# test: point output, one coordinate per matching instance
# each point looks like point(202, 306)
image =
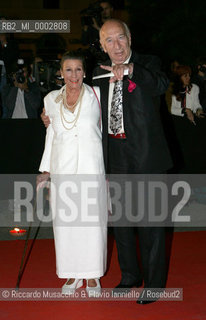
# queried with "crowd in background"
point(24, 83)
point(32, 80)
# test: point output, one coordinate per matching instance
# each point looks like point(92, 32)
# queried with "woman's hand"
point(45, 118)
point(41, 179)
point(189, 114)
point(200, 113)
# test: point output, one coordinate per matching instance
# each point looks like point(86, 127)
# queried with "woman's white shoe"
point(94, 291)
point(70, 288)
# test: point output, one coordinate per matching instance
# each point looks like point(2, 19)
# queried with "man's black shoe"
point(140, 301)
point(124, 288)
point(149, 295)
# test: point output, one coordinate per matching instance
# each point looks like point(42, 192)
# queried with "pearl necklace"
point(70, 108)
point(63, 102)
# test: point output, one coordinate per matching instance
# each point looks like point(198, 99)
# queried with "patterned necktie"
point(116, 107)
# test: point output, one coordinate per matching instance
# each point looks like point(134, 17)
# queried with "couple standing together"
point(133, 143)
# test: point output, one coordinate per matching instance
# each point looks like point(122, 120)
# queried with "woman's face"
point(72, 71)
point(185, 78)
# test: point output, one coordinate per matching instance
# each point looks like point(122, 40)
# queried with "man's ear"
point(102, 46)
point(103, 49)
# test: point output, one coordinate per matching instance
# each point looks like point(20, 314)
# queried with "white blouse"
point(192, 102)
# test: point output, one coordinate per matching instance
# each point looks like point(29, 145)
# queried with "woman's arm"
point(197, 108)
point(176, 107)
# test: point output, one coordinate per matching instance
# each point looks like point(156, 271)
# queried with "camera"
point(20, 78)
point(19, 74)
point(202, 69)
point(93, 11)
point(45, 75)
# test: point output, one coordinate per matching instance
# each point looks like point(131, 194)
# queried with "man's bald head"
point(115, 39)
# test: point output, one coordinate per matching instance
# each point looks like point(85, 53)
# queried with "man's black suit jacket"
point(142, 122)
point(32, 99)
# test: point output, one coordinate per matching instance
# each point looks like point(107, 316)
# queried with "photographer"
point(21, 98)
point(8, 57)
point(92, 19)
point(8, 50)
point(200, 80)
point(56, 81)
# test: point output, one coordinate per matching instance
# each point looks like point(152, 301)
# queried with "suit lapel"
point(104, 100)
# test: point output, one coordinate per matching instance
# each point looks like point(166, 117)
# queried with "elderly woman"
point(73, 146)
point(185, 95)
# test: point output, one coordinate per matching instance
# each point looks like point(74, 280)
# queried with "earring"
point(84, 76)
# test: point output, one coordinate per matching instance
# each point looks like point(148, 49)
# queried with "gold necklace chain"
point(63, 119)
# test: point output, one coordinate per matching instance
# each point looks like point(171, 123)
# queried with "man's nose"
point(117, 44)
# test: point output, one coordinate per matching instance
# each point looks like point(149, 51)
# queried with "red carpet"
point(187, 270)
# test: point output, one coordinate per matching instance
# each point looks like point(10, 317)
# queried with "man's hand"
point(95, 24)
point(118, 70)
point(45, 118)
point(22, 86)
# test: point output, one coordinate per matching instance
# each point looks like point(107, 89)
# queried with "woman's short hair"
point(73, 55)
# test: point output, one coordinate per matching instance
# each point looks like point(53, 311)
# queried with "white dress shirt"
point(20, 109)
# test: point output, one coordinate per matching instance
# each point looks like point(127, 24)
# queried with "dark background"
point(170, 29)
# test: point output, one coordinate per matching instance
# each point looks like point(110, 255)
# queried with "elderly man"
point(133, 143)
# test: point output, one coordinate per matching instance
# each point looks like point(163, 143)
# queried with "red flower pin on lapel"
point(131, 86)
